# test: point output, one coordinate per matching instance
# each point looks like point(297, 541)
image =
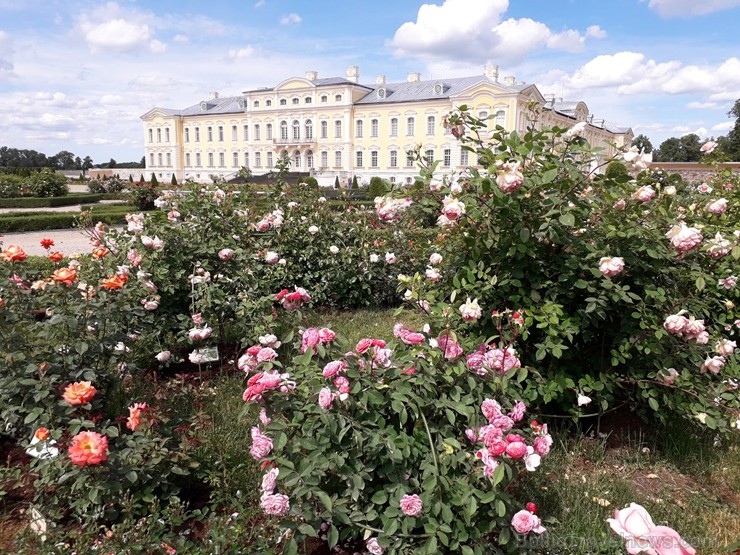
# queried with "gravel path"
point(65, 241)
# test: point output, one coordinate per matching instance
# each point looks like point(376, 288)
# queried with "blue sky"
point(77, 74)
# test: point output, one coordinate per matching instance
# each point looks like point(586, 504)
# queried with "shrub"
point(10, 185)
point(107, 185)
point(354, 182)
point(602, 273)
point(154, 181)
point(142, 194)
point(616, 170)
point(47, 183)
point(173, 181)
point(311, 182)
point(336, 182)
point(377, 188)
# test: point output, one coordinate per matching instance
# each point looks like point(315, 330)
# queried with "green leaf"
point(653, 403)
point(700, 283)
point(325, 499)
point(431, 546)
point(567, 219)
point(291, 548)
point(379, 498)
point(465, 550)
point(131, 476)
point(307, 530)
point(333, 536)
point(549, 176)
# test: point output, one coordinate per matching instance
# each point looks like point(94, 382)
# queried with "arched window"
point(309, 159)
point(268, 131)
point(359, 127)
point(431, 124)
point(296, 129)
point(394, 127)
point(296, 159)
point(500, 118)
point(308, 129)
point(284, 130)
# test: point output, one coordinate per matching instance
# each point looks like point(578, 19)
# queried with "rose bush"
point(409, 445)
point(594, 264)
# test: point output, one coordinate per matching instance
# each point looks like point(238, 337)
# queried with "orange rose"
point(42, 434)
point(13, 253)
point(88, 448)
point(79, 393)
point(114, 282)
point(134, 419)
point(65, 275)
point(100, 252)
point(56, 256)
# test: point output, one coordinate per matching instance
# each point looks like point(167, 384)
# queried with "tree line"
point(63, 160)
point(687, 148)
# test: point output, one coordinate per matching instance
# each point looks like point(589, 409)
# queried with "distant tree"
point(354, 182)
point(63, 160)
point(131, 178)
point(173, 181)
point(642, 143)
point(336, 182)
point(78, 163)
point(730, 144)
point(683, 149)
point(87, 163)
point(112, 163)
point(142, 164)
point(616, 169)
point(154, 181)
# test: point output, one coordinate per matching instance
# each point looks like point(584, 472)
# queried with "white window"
point(269, 159)
point(210, 159)
point(373, 128)
point(308, 128)
point(296, 159)
point(393, 158)
point(256, 104)
point(500, 118)
point(296, 129)
point(309, 159)
point(187, 159)
point(358, 129)
point(338, 159)
point(159, 159)
point(338, 129)
point(283, 102)
point(151, 135)
point(358, 161)
point(197, 159)
point(374, 158)
point(483, 114)
point(159, 135)
point(447, 157)
point(169, 159)
point(187, 134)
point(429, 155)
point(324, 159)
point(307, 100)
point(167, 134)
point(246, 132)
point(268, 131)
point(324, 129)
point(257, 132)
point(209, 132)
point(221, 133)
point(257, 159)
point(410, 126)
point(394, 127)
point(284, 130)
point(197, 134)
point(151, 159)
point(221, 159)
point(324, 98)
point(296, 100)
point(235, 159)
point(268, 102)
point(337, 98)
point(409, 160)
point(431, 125)
point(464, 157)
point(246, 159)
point(234, 133)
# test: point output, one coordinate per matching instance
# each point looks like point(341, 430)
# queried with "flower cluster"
point(389, 209)
point(493, 359)
point(292, 300)
point(635, 525)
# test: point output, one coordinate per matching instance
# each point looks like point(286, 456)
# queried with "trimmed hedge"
point(39, 221)
point(51, 202)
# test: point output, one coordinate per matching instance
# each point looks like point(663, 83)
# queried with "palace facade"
point(337, 127)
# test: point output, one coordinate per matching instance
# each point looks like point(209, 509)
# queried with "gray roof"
point(324, 82)
point(424, 90)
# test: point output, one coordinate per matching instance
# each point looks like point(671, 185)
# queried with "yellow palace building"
point(337, 127)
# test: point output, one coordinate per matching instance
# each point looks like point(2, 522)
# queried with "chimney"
point(491, 71)
point(510, 80)
point(213, 95)
point(413, 77)
point(312, 75)
point(353, 74)
point(380, 79)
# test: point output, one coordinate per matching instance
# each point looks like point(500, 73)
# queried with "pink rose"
point(684, 238)
point(272, 257)
point(644, 194)
point(491, 409)
point(450, 347)
point(713, 364)
point(728, 282)
point(275, 504)
point(373, 547)
point(452, 208)
point(411, 505)
point(326, 335)
point(708, 147)
point(725, 347)
point(266, 354)
point(226, 254)
point(269, 480)
point(261, 444)
point(510, 178)
point(390, 258)
point(435, 259)
point(363, 345)
point(542, 444)
point(326, 397)
point(470, 310)
point(675, 323)
point(310, 340)
point(525, 522)
point(517, 413)
point(264, 418)
point(516, 450)
point(611, 266)
point(717, 207)
point(432, 274)
point(636, 527)
point(333, 368)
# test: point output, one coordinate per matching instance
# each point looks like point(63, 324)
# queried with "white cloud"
point(260, 4)
point(631, 73)
point(290, 19)
point(440, 32)
point(111, 99)
point(157, 47)
point(109, 27)
point(245, 52)
point(181, 38)
point(702, 106)
point(701, 131)
point(724, 126)
point(687, 8)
